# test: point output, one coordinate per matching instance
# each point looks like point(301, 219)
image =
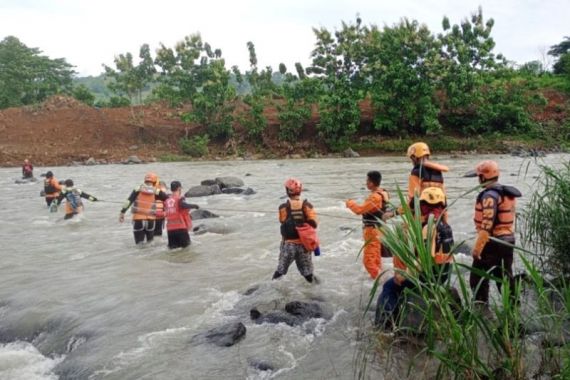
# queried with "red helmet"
point(150, 177)
point(488, 170)
point(293, 186)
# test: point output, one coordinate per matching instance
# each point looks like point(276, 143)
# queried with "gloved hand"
point(482, 239)
point(349, 202)
point(93, 199)
point(121, 218)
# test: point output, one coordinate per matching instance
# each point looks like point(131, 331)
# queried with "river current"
point(78, 299)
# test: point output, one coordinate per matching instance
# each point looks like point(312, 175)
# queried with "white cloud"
point(89, 33)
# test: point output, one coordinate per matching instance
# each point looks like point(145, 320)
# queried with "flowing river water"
point(78, 299)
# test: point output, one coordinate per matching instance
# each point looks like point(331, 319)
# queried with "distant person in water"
point(143, 199)
point(292, 214)
point(72, 196)
point(27, 169)
point(159, 223)
point(178, 220)
point(52, 188)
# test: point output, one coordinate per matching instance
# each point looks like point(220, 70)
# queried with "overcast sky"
point(90, 33)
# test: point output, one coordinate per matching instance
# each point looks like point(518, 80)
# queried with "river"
point(78, 299)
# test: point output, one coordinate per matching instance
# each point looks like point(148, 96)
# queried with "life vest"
point(443, 243)
point(144, 206)
point(295, 218)
point(73, 200)
point(50, 189)
point(372, 219)
point(177, 218)
point(159, 209)
point(504, 199)
point(430, 174)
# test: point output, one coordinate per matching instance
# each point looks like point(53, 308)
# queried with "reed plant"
point(459, 338)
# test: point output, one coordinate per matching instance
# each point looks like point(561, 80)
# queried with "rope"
point(273, 211)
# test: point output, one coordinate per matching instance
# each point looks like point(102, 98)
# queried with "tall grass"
point(461, 339)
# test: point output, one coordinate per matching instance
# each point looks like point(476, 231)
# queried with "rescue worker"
point(494, 217)
point(178, 220)
point(52, 188)
point(143, 199)
point(159, 224)
point(72, 196)
point(27, 169)
point(372, 211)
point(432, 202)
point(295, 212)
point(425, 173)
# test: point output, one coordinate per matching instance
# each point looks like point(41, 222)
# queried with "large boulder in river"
point(225, 182)
point(349, 153)
point(202, 191)
point(202, 214)
point(275, 317)
point(214, 228)
point(208, 182)
point(306, 310)
point(224, 336)
point(133, 160)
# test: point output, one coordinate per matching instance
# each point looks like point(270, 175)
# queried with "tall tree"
point(27, 77)
point(561, 52)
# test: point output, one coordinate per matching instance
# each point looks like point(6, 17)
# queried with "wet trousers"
point(178, 239)
point(143, 229)
point(158, 226)
point(389, 302)
point(496, 259)
point(290, 252)
point(371, 252)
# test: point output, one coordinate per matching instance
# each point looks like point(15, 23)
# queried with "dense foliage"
point(27, 77)
point(417, 82)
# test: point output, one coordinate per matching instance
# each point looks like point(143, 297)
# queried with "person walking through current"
point(159, 223)
point(52, 188)
point(178, 220)
point(27, 169)
point(494, 217)
point(72, 196)
point(292, 214)
point(372, 211)
point(425, 173)
point(143, 199)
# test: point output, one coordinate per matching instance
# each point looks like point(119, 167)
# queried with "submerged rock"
point(306, 310)
point(212, 228)
point(275, 317)
point(224, 336)
point(202, 214)
point(261, 365)
point(208, 182)
point(238, 190)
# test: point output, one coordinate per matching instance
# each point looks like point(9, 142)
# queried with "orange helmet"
point(488, 170)
point(418, 150)
point(433, 196)
point(293, 186)
point(150, 177)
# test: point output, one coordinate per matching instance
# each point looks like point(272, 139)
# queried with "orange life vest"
point(495, 210)
point(177, 218)
point(373, 218)
point(159, 209)
point(144, 206)
point(51, 188)
point(73, 198)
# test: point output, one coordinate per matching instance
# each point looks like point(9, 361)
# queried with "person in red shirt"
point(27, 169)
point(178, 220)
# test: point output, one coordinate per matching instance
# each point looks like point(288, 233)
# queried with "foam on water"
point(22, 361)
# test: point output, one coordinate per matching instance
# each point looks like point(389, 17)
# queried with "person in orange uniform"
point(143, 199)
point(72, 196)
point(178, 220)
point(27, 169)
point(425, 173)
point(432, 203)
point(52, 188)
point(295, 212)
point(372, 211)
point(159, 224)
point(494, 217)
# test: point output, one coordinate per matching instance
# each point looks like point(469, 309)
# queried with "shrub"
point(196, 146)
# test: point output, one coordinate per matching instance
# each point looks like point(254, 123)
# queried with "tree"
point(338, 61)
point(82, 93)
point(403, 65)
point(129, 79)
point(27, 77)
point(193, 72)
point(561, 51)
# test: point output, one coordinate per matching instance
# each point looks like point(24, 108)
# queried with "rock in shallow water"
point(223, 336)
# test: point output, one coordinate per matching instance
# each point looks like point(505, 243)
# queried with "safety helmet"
point(432, 195)
point(49, 174)
point(175, 185)
point(487, 170)
point(68, 183)
point(150, 177)
point(418, 150)
point(293, 186)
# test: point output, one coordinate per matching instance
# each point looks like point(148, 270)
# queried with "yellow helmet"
point(418, 150)
point(433, 196)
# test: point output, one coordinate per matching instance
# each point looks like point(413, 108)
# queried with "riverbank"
point(63, 131)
